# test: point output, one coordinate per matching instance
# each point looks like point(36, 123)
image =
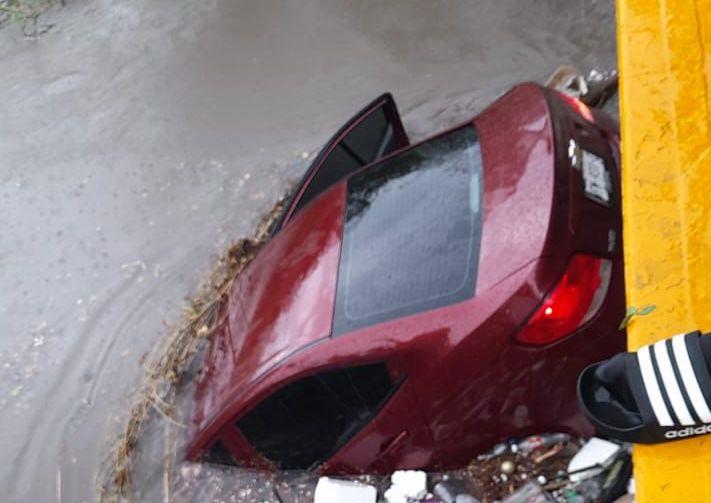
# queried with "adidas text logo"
point(688, 432)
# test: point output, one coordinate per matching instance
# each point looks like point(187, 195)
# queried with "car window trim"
point(393, 117)
point(332, 144)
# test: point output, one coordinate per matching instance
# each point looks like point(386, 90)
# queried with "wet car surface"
point(422, 291)
point(139, 139)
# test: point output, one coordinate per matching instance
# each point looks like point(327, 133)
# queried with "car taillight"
point(573, 302)
point(581, 108)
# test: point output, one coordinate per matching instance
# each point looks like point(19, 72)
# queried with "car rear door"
point(371, 134)
point(362, 413)
point(396, 438)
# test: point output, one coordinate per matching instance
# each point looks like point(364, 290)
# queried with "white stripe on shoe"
point(652, 387)
point(691, 384)
point(671, 385)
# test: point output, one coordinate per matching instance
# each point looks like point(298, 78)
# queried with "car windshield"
point(412, 232)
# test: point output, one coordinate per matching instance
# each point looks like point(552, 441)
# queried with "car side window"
point(304, 423)
point(340, 163)
point(371, 134)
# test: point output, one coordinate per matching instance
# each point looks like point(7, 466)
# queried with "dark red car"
point(418, 303)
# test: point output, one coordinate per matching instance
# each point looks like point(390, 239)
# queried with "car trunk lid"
point(518, 151)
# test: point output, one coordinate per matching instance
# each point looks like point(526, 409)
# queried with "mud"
point(138, 139)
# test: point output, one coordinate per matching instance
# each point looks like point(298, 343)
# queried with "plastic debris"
point(453, 491)
point(496, 451)
point(444, 492)
point(499, 449)
point(615, 482)
point(534, 442)
point(529, 493)
point(596, 455)
point(595, 76)
point(588, 491)
point(406, 485)
point(539, 476)
point(330, 490)
point(568, 79)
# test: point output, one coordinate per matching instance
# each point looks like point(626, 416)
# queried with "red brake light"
point(572, 303)
point(581, 108)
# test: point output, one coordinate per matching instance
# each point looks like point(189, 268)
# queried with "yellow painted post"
point(665, 104)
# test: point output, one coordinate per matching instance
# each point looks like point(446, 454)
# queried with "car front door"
point(371, 134)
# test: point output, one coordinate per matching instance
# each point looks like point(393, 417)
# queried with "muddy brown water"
point(137, 139)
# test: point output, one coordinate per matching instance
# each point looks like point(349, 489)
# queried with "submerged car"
point(418, 303)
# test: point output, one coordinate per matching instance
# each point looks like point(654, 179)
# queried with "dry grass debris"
point(201, 318)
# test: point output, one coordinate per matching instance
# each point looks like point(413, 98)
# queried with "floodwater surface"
point(138, 138)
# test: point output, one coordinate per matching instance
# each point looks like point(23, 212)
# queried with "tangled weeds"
point(164, 373)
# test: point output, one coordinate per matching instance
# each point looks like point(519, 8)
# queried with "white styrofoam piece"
point(405, 485)
point(330, 490)
point(595, 452)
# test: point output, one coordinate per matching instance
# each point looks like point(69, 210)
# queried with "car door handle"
point(390, 446)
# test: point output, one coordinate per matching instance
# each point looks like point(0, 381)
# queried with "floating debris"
point(330, 490)
point(595, 456)
point(406, 485)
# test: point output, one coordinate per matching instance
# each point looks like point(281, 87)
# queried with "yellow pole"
point(665, 106)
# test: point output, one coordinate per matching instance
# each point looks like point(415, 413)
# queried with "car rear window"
point(412, 233)
point(302, 424)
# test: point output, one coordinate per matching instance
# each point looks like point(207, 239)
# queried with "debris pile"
point(550, 468)
point(546, 468)
point(562, 469)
